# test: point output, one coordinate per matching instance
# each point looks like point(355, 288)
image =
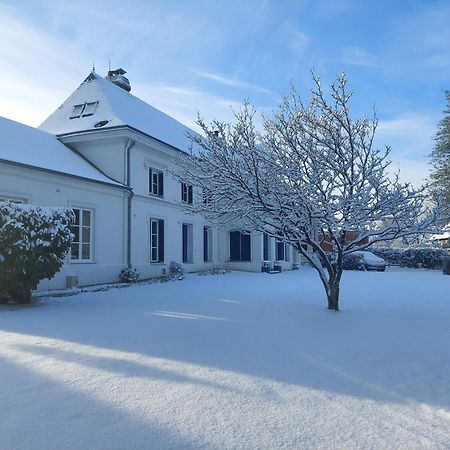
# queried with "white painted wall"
point(108, 203)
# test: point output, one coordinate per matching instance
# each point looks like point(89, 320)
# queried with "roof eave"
point(70, 175)
point(88, 131)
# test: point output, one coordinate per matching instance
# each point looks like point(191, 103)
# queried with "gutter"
point(129, 145)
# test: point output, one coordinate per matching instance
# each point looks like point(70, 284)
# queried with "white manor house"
point(108, 155)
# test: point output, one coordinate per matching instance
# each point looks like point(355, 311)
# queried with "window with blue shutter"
point(155, 182)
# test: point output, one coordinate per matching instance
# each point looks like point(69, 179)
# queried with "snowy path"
point(232, 361)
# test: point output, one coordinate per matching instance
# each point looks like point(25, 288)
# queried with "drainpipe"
point(128, 147)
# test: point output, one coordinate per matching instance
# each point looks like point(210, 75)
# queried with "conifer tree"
point(440, 156)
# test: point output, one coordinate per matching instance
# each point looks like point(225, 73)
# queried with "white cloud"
point(228, 81)
point(411, 137)
point(357, 56)
point(298, 41)
point(183, 103)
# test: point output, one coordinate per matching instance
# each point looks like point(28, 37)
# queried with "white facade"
point(122, 180)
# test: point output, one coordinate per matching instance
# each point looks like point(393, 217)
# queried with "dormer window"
point(77, 111)
point(89, 109)
point(84, 110)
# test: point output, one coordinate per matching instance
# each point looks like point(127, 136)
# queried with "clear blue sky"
point(184, 56)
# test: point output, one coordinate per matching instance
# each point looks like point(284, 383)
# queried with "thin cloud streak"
point(228, 81)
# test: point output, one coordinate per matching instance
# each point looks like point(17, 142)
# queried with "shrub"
point(33, 244)
point(215, 270)
point(426, 257)
point(176, 270)
point(128, 275)
point(353, 262)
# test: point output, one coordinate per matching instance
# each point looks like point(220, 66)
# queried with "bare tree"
point(311, 176)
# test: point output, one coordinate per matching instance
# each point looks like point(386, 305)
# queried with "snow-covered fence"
point(34, 241)
point(427, 257)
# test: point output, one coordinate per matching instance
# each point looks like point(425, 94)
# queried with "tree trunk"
point(22, 294)
point(333, 296)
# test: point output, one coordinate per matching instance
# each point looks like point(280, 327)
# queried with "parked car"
point(371, 261)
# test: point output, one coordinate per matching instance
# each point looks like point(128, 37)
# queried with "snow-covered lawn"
point(233, 361)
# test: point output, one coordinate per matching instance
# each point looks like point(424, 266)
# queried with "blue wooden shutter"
point(245, 247)
point(235, 246)
point(161, 184)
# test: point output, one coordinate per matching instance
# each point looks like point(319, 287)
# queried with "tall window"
point(81, 248)
point(207, 244)
point(240, 246)
point(281, 251)
point(188, 241)
point(4, 198)
point(186, 193)
point(155, 182)
point(156, 240)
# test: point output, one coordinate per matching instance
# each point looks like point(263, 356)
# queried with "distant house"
point(442, 239)
point(350, 236)
point(108, 155)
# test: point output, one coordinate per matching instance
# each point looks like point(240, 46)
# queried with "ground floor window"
point(207, 244)
point(188, 241)
point(156, 240)
point(281, 251)
point(240, 246)
point(5, 198)
point(82, 246)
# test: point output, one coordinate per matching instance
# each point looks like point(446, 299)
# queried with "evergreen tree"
point(440, 156)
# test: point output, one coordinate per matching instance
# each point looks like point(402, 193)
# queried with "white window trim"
point(83, 107)
point(91, 238)
point(209, 248)
point(156, 172)
point(189, 243)
point(156, 247)
point(185, 193)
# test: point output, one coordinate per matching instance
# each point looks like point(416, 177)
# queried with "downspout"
point(130, 143)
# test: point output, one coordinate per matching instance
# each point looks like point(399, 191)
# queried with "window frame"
point(80, 259)
point(155, 182)
point(279, 244)
point(187, 243)
point(77, 116)
point(207, 244)
point(245, 238)
point(156, 246)
point(187, 193)
point(91, 106)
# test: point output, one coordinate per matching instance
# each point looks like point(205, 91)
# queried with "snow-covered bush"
point(128, 275)
point(215, 270)
point(446, 265)
point(176, 270)
point(353, 262)
point(426, 257)
point(33, 243)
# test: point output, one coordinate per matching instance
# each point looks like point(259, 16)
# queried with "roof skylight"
point(84, 110)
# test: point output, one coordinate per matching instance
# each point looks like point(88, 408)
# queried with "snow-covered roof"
point(118, 108)
point(22, 144)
